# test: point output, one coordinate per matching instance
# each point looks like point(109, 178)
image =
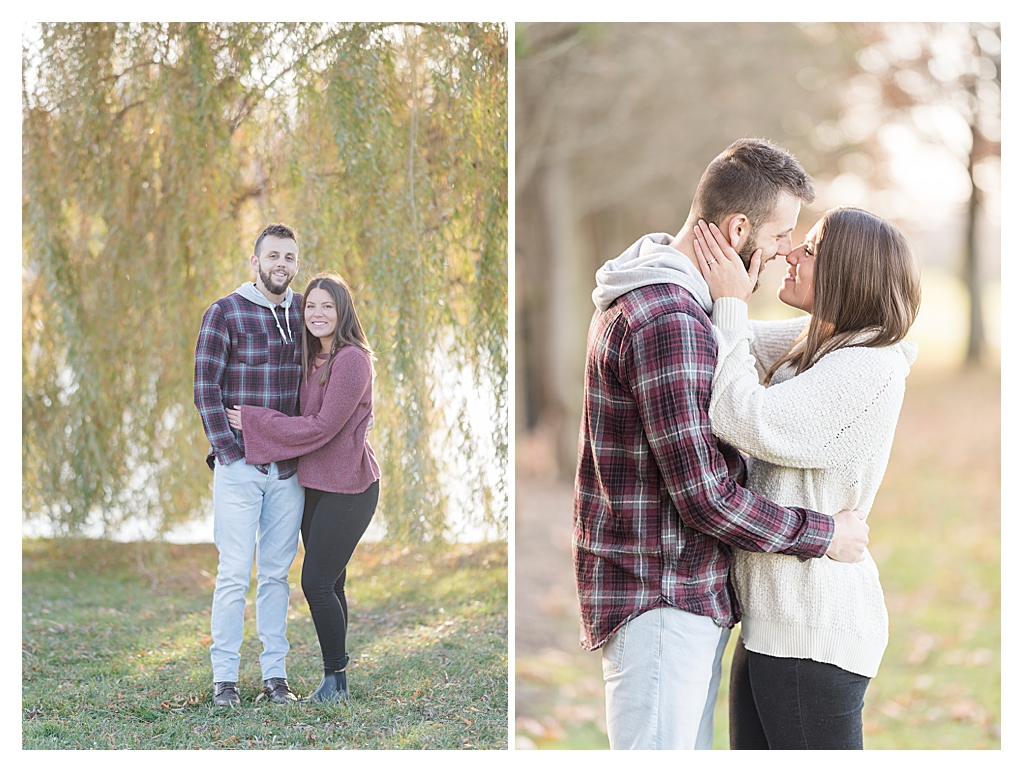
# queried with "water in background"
point(453, 387)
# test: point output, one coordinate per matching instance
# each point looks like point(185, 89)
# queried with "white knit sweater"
point(818, 440)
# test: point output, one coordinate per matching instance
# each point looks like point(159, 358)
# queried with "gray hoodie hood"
point(649, 261)
point(249, 292)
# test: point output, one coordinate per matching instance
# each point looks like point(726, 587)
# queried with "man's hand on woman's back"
point(849, 544)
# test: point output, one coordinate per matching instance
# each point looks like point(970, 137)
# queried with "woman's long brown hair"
point(865, 280)
point(348, 332)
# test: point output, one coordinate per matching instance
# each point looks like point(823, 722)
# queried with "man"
point(249, 352)
point(658, 502)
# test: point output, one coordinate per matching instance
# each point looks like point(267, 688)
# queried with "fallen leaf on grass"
point(923, 643)
point(978, 657)
point(871, 727)
point(968, 710)
point(548, 729)
point(892, 709)
point(575, 713)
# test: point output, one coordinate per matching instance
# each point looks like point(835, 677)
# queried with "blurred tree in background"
point(615, 123)
point(944, 80)
point(154, 154)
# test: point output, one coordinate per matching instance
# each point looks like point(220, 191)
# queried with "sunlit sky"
point(933, 186)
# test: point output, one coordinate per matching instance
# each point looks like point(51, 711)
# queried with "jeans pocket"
point(613, 652)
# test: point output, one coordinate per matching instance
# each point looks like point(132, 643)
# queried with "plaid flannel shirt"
point(658, 502)
point(241, 359)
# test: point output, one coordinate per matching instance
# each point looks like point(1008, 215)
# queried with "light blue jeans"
point(661, 674)
point(253, 512)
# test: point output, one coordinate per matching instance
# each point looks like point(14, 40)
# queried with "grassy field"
point(935, 535)
point(115, 652)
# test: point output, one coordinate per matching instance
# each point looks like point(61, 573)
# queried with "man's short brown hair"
point(747, 178)
point(280, 230)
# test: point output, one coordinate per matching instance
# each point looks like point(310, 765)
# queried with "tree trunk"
point(566, 333)
point(971, 264)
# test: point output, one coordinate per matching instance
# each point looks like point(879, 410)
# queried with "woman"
point(819, 436)
point(336, 464)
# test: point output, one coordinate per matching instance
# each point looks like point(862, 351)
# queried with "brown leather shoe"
point(225, 694)
point(277, 690)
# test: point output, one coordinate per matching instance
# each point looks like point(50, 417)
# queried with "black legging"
point(781, 703)
point(332, 525)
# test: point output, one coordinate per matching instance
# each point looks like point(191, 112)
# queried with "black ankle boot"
point(342, 684)
point(333, 688)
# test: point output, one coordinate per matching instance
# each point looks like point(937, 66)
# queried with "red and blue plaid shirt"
point(658, 502)
point(242, 359)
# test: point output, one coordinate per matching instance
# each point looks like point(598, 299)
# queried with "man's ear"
point(736, 228)
point(254, 262)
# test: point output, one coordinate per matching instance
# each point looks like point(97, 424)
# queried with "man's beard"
point(268, 282)
point(746, 252)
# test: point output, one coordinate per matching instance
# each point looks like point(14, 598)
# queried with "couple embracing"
point(727, 466)
point(284, 387)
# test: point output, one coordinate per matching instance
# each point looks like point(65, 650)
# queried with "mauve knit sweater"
point(329, 437)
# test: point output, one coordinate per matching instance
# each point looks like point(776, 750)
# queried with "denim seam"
point(621, 646)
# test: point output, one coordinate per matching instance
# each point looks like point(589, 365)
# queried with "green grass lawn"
point(935, 535)
point(116, 641)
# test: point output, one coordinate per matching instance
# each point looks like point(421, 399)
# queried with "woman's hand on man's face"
point(721, 265)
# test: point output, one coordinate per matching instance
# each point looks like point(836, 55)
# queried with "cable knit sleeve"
point(773, 339)
point(273, 436)
point(817, 419)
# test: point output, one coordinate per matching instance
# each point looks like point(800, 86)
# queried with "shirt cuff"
point(229, 455)
point(820, 530)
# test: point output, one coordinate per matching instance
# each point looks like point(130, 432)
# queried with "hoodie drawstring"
point(273, 310)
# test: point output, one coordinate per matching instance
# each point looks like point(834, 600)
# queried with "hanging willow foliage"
point(153, 156)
